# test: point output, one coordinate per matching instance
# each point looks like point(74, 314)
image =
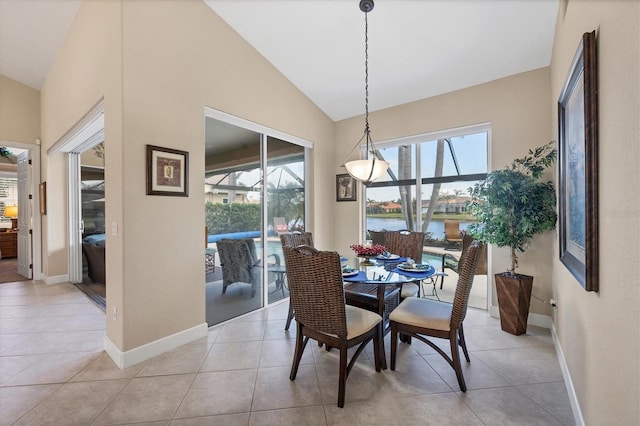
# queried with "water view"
point(436, 226)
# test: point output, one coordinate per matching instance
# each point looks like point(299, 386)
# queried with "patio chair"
point(452, 264)
point(422, 318)
point(315, 286)
point(240, 264)
point(452, 233)
point(294, 240)
point(406, 243)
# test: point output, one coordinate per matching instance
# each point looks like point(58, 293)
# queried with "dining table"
point(377, 287)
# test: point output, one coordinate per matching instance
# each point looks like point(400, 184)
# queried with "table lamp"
point(12, 213)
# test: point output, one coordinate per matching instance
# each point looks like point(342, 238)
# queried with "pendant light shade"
point(368, 169)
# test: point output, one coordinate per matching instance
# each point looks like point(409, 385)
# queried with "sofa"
point(95, 256)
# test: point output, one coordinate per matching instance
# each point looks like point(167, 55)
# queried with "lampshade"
point(366, 170)
point(11, 211)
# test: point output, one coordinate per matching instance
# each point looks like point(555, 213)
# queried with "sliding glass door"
point(285, 206)
point(253, 191)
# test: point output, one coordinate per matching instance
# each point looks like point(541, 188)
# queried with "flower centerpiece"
point(368, 251)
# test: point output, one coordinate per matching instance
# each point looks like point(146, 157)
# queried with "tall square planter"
point(514, 297)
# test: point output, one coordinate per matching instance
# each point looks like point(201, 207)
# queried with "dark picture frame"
point(578, 166)
point(346, 189)
point(167, 171)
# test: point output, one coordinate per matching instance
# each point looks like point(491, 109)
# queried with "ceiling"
point(417, 48)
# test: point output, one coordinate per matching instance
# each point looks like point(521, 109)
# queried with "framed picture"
point(167, 171)
point(578, 166)
point(43, 197)
point(345, 188)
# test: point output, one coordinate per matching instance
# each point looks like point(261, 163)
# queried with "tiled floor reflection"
point(53, 372)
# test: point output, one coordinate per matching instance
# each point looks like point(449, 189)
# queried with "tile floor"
point(53, 372)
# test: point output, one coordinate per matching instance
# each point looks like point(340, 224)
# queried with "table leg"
point(281, 278)
point(384, 326)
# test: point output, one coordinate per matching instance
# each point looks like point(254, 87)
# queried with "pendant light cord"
point(367, 130)
point(376, 166)
point(366, 79)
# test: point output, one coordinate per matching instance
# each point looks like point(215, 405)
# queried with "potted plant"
point(513, 205)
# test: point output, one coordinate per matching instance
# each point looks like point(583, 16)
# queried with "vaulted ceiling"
point(417, 48)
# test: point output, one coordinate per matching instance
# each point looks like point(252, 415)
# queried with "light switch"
point(114, 228)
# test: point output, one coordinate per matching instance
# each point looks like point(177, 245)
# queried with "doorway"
point(83, 146)
point(19, 173)
point(92, 219)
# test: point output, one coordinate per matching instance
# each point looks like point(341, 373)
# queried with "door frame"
point(84, 135)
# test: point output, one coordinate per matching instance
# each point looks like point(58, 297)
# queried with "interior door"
point(25, 203)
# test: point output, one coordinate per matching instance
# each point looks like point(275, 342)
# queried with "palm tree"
point(433, 201)
point(404, 172)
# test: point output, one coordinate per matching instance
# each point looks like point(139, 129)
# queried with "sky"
point(470, 152)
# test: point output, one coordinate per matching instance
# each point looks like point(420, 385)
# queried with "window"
point(428, 181)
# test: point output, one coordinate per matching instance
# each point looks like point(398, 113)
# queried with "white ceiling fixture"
point(419, 48)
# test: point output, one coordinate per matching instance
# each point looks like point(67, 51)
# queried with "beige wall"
point(88, 68)
point(517, 108)
point(599, 332)
point(19, 112)
point(158, 64)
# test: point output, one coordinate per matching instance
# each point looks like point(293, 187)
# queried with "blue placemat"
point(427, 273)
point(359, 277)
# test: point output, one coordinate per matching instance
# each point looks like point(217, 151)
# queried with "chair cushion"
point(409, 290)
point(425, 313)
point(359, 321)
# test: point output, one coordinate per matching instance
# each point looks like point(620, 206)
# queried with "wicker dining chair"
point(420, 318)
point(377, 237)
point(406, 243)
point(315, 288)
point(294, 240)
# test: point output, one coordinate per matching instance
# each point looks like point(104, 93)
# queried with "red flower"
point(374, 250)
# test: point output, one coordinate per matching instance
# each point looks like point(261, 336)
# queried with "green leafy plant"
point(513, 204)
point(235, 217)
point(4, 152)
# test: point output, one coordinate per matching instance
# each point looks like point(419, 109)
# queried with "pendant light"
point(368, 169)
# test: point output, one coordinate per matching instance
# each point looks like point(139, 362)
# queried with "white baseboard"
point(151, 349)
point(57, 279)
point(573, 398)
point(539, 320)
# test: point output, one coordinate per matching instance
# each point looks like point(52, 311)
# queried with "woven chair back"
point(237, 258)
point(296, 239)
point(377, 237)
point(466, 272)
point(405, 244)
point(315, 288)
